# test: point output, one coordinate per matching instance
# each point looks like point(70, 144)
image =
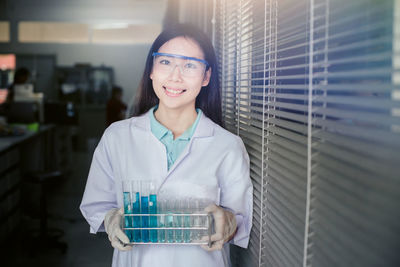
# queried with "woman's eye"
point(164, 61)
point(190, 66)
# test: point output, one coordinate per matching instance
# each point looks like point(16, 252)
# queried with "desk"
point(12, 141)
point(18, 155)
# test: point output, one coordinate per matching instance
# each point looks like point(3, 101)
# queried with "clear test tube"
point(137, 235)
point(128, 207)
point(195, 234)
point(161, 208)
point(203, 219)
point(186, 221)
point(169, 220)
point(153, 210)
point(144, 209)
point(179, 207)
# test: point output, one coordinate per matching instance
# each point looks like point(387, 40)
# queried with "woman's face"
point(174, 90)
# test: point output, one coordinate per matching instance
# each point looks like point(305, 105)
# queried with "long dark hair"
point(209, 98)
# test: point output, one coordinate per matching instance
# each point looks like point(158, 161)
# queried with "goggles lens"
point(189, 66)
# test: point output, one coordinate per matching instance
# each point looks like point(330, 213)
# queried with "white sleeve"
point(237, 190)
point(100, 195)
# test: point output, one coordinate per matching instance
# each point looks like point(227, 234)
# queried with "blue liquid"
point(161, 233)
point(186, 233)
point(153, 219)
point(178, 233)
point(170, 223)
point(145, 219)
point(137, 236)
point(128, 219)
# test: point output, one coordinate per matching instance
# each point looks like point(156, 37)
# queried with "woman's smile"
point(173, 92)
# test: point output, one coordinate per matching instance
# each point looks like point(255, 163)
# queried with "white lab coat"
point(213, 166)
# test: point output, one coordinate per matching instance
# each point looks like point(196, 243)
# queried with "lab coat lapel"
point(205, 128)
point(152, 145)
point(181, 157)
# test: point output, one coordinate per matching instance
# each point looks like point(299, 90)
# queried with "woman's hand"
point(112, 224)
point(225, 227)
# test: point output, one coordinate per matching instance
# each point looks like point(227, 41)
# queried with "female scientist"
point(176, 139)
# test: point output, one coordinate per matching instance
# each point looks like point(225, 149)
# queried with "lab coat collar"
point(205, 128)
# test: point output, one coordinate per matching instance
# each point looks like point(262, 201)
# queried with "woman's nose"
point(176, 73)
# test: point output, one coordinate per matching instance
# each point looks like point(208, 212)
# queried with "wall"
point(127, 60)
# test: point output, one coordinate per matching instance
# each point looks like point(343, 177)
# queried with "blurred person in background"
point(21, 76)
point(115, 106)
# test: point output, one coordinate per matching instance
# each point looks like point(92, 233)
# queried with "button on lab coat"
point(214, 166)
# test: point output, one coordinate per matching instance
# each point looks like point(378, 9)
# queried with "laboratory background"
point(311, 86)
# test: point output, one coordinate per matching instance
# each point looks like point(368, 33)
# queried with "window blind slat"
point(288, 134)
point(359, 101)
point(355, 159)
point(374, 135)
point(277, 149)
point(288, 115)
point(382, 153)
point(373, 118)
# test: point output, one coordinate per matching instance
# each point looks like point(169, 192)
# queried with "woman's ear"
point(207, 77)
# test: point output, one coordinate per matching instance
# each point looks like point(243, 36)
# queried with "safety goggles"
point(189, 66)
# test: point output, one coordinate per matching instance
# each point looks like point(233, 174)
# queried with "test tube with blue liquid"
point(144, 208)
point(137, 235)
point(153, 210)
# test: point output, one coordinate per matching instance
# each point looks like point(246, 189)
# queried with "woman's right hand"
point(112, 224)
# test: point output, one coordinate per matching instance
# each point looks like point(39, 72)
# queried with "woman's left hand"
point(225, 227)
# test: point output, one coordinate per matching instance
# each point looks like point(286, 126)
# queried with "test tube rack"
point(205, 227)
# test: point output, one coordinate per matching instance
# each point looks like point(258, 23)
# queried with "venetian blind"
point(313, 89)
point(264, 77)
point(241, 38)
point(355, 159)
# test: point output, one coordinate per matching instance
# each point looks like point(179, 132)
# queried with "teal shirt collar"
point(160, 130)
